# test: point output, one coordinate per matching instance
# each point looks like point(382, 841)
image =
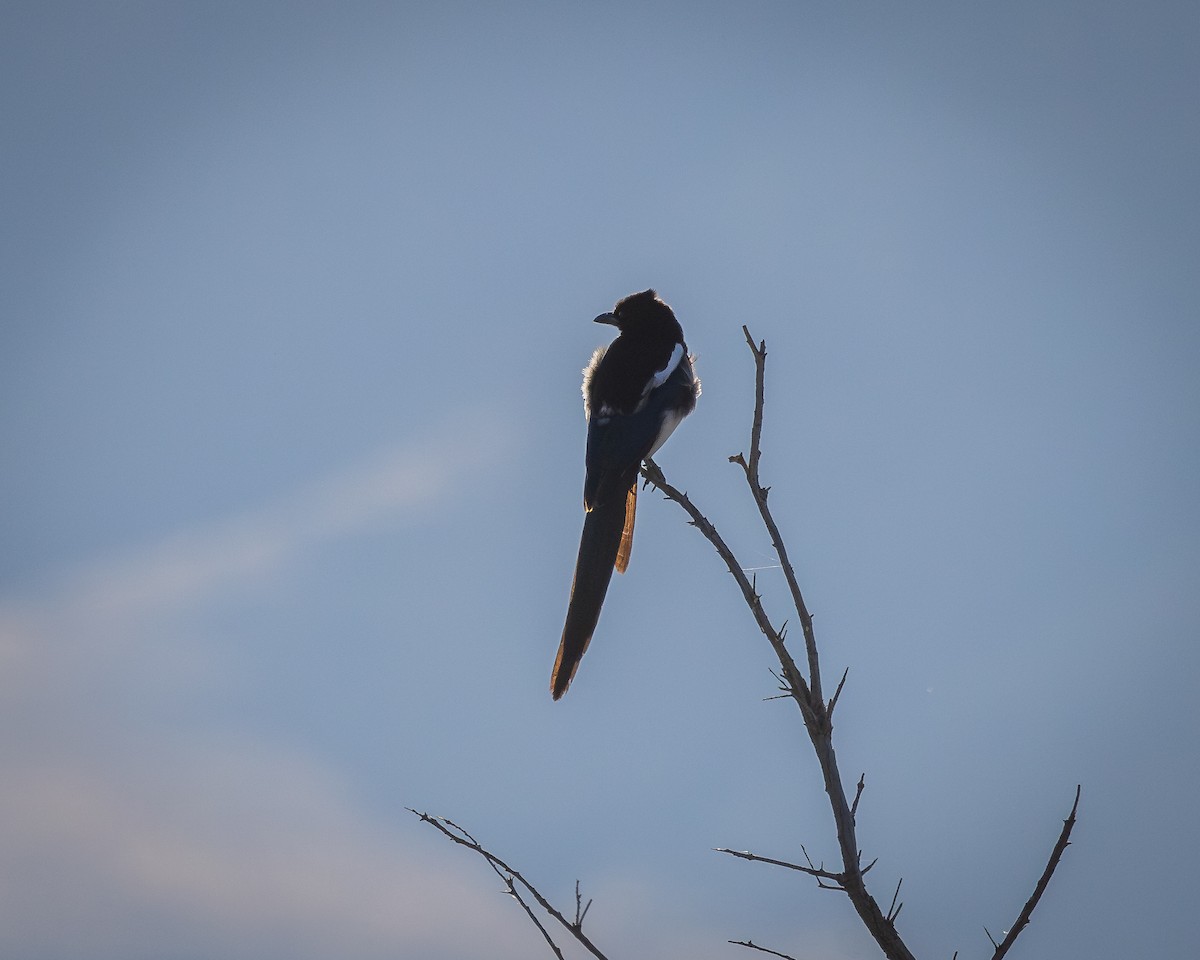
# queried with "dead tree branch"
point(819, 872)
point(754, 946)
point(806, 691)
point(1064, 841)
point(817, 715)
point(750, 468)
point(512, 879)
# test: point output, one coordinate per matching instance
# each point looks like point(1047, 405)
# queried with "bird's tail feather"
point(626, 547)
point(603, 529)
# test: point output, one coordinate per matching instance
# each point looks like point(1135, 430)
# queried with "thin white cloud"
point(388, 485)
point(115, 602)
point(232, 848)
point(123, 838)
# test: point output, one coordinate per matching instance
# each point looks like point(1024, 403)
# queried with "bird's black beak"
point(607, 318)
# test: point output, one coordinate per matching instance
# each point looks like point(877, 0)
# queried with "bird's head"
point(640, 311)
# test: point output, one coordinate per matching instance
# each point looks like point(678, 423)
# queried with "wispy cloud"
point(113, 600)
point(120, 837)
point(186, 565)
point(223, 848)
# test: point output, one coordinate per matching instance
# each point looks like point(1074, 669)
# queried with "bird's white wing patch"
point(661, 376)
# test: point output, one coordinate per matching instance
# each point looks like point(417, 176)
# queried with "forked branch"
point(514, 883)
point(806, 691)
point(817, 714)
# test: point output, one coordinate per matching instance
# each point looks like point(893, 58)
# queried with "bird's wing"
point(618, 443)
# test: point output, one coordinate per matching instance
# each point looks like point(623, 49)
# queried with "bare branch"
point(817, 715)
point(785, 693)
point(750, 468)
point(806, 693)
point(812, 871)
point(511, 877)
point(511, 886)
point(580, 914)
point(754, 946)
point(1064, 840)
point(797, 686)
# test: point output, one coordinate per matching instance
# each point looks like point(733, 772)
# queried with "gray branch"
point(511, 879)
point(815, 711)
point(817, 715)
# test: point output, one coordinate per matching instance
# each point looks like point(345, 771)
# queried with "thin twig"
point(460, 836)
point(1064, 840)
point(515, 894)
point(817, 716)
point(794, 681)
point(819, 872)
point(510, 885)
point(893, 910)
point(837, 693)
point(754, 946)
point(858, 792)
point(580, 914)
point(760, 497)
point(806, 693)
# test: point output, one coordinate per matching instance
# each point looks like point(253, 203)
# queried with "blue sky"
point(296, 303)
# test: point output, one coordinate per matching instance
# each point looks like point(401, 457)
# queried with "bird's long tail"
point(605, 543)
point(626, 547)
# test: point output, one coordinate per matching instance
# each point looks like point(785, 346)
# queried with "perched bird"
point(635, 393)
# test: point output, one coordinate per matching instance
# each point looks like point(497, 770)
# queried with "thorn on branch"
point(837, 693)
point(785, 692)
point(894, 910)
point(858, 791)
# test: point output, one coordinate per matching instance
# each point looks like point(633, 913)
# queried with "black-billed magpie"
point(635, 392)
